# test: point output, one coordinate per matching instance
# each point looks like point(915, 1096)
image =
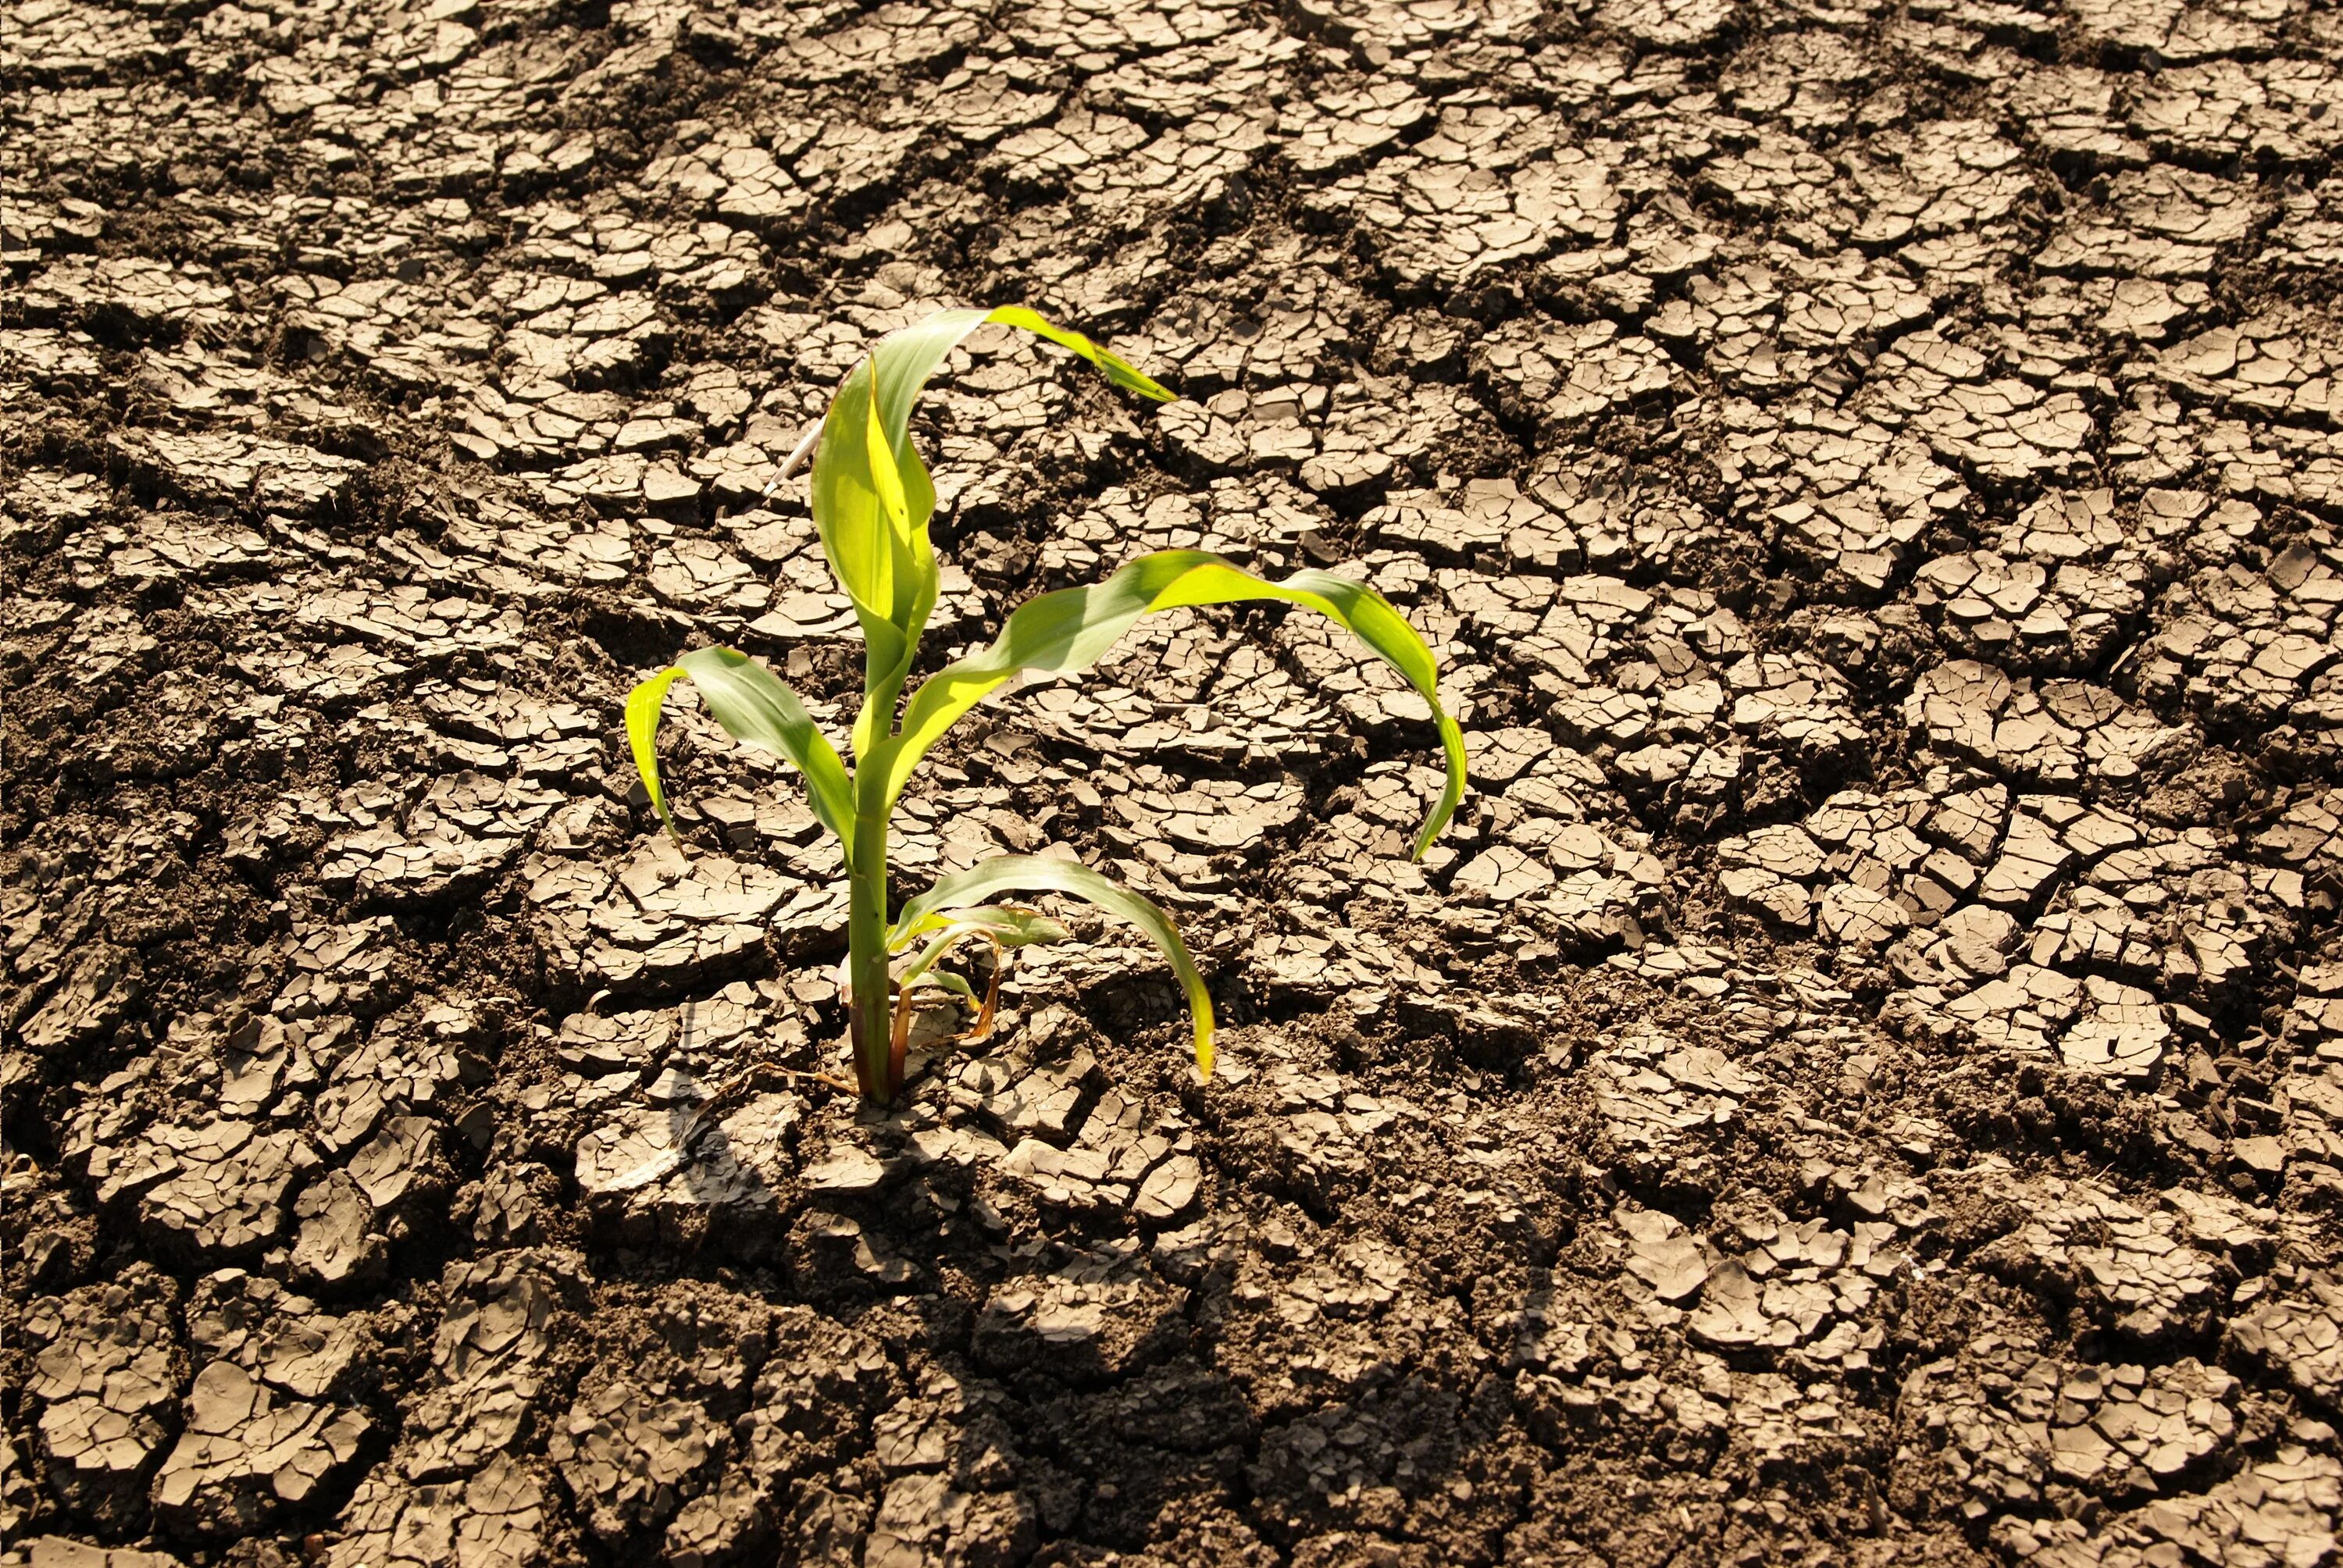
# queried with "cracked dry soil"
point(1861, 1081)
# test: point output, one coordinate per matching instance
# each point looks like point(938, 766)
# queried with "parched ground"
point(1861, 1081)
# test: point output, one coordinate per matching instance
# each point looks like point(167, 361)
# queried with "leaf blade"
point(1042, 874)
point(906, 359)
point(1004, 925)
point(844, 495)
point(756, 709)
point(644, 702)
point(1072, 628)
point(872, 499)
point(890, 542)
point(1009, 924)
point(845, 485)
point(1118, 370)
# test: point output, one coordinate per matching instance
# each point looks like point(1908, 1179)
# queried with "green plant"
point(871, 504)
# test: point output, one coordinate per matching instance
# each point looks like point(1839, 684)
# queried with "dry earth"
point(1862, 1082)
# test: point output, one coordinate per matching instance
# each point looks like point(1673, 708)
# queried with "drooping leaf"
point(1011, 925)
point(1072, 628)
point(1006, 925)
point(906, 359)
point(756, 709)
point(1041, 874)
point(873, 516)
point(947, 980)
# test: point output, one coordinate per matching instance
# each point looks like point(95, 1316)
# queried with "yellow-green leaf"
point(1073, 629)
point(1042, 874)
point(756, 709)
point(872, 514)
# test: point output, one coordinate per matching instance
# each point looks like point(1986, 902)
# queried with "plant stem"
point(869, 1025)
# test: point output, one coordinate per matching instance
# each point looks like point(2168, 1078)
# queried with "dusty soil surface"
point(1862, 1081)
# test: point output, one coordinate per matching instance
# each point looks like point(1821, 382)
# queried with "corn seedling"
point(871, 504)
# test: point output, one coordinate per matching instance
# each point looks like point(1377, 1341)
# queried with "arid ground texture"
point(1861, 1081)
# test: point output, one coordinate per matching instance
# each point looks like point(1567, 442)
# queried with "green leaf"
point(755, 708)
point(1010, 924)
point(1041, 874)
point(873, 513)
point(1007, 925)
point(890, 542)
point(1073, 629)
point(905, 359)
point(950, 982)
point(871, 509)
